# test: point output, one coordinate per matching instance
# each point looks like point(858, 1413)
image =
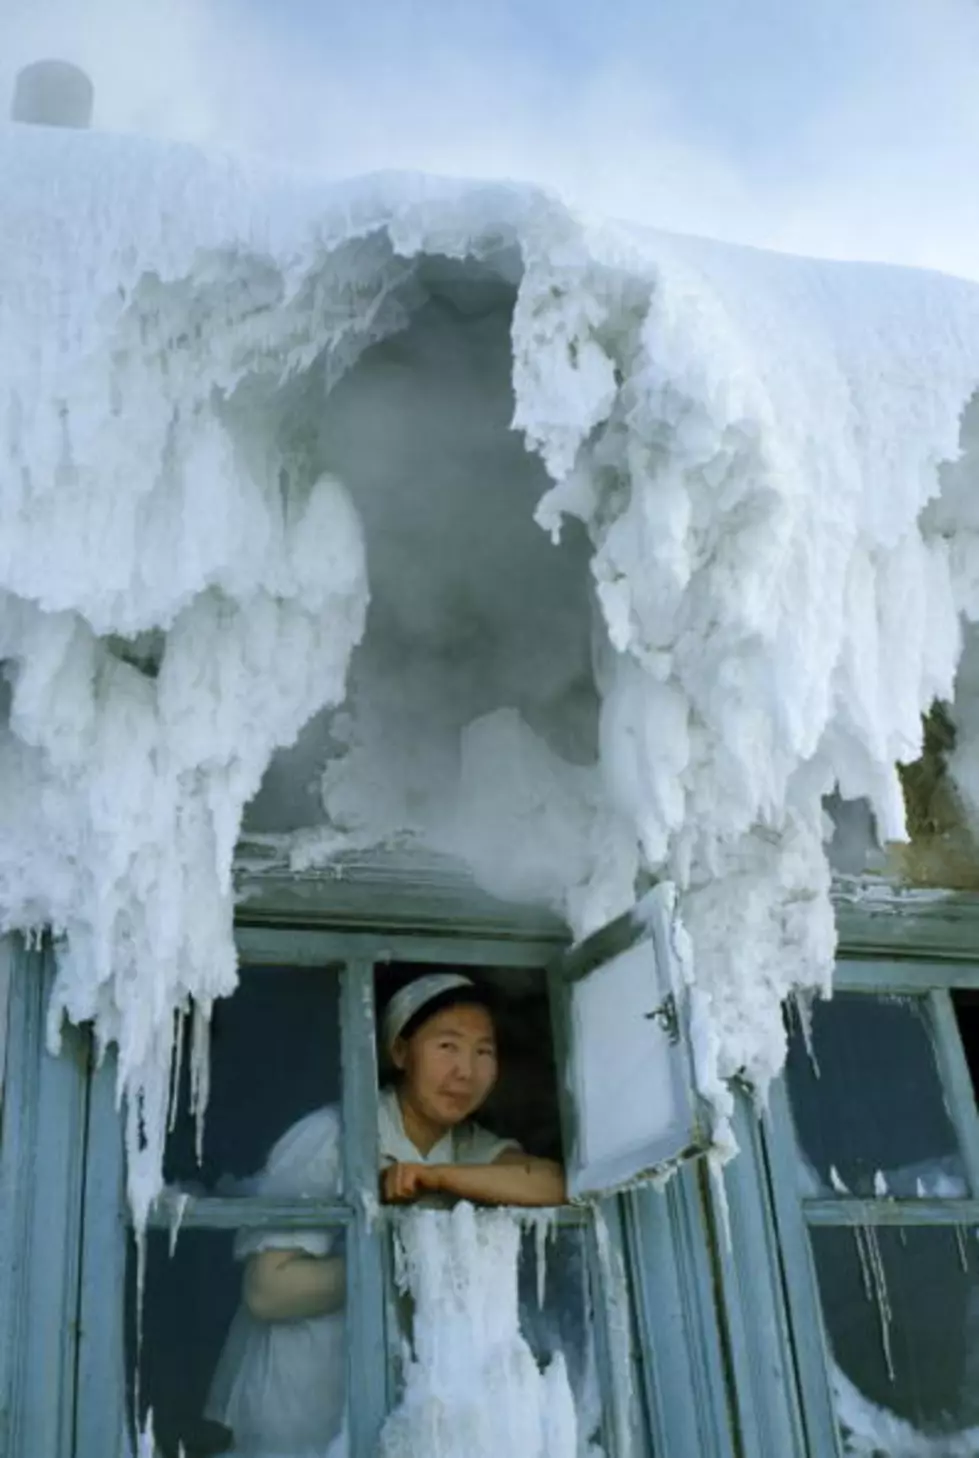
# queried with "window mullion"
point(367, 1368)
point(957, 1081)
point(612, 1327)
point(901, 978)
point(18, 1148)
point(41, 1166)
point(207, 1212)
point(7, 960)
point(671, 1283)
point(101, 1416)
point(749, 1276)
point(799, 1275)
point(852, 1211)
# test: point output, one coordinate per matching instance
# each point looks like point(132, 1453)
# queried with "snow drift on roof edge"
point(750, 440)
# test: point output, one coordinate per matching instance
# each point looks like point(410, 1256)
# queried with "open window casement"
point(630, 1109)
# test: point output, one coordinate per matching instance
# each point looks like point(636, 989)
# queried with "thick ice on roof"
point(749, 441)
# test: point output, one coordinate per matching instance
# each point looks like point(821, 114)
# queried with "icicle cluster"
point(473, 1388)
point(765, 452)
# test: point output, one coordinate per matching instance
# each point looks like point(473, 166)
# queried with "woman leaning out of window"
point(279, 1384)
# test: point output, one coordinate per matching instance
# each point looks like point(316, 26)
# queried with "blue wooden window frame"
point(708, 1299)
point(615, 1239)
point(932, 981)
point(664, 1025)
point(45, 1113)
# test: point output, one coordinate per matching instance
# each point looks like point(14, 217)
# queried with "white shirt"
point(279, 1385)
point(467, 1143)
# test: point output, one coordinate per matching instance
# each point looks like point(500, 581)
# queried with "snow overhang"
point(746, 442)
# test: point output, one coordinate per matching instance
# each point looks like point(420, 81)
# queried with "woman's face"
point(449, 1063)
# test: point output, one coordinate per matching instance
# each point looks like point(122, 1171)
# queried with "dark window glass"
point(216, 1378)
point(966, 1004)
point(556, 1316)
point(275, 1057)
point(868, 1103)
point(901, 1308)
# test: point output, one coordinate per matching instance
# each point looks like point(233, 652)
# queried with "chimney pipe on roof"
point(53, 94)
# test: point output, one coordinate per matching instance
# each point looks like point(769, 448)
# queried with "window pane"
point(868, 1103)
point(220, 1379)
point(901, 1308)
point(497, 1332)
point(629, 1099)
point(629, 1076)
point(556, 1317)
point(275, 1057)
point(965, 1001)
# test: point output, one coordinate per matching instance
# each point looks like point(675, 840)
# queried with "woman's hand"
point(402, 1183)
point(514, 1178)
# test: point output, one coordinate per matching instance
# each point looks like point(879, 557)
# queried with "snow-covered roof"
point(764, 450)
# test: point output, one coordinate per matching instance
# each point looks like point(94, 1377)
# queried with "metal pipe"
point(53, 94)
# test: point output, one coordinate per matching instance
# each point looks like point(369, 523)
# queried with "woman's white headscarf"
point(412, 998)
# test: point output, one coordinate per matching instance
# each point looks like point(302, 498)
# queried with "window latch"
point(667, 1017)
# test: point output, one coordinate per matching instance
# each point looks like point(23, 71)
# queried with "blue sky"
point(844, 127)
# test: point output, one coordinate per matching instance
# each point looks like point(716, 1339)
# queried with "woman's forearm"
point(511, 1181)
point(291, 1285)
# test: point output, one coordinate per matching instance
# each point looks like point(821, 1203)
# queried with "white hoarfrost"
point(473, 1388)
point(762, 454)
point(869, 1431)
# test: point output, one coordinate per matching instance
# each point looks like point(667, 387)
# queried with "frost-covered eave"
point(387, 890)
point(879, 918)
point(750, 442)
point(410, 889)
